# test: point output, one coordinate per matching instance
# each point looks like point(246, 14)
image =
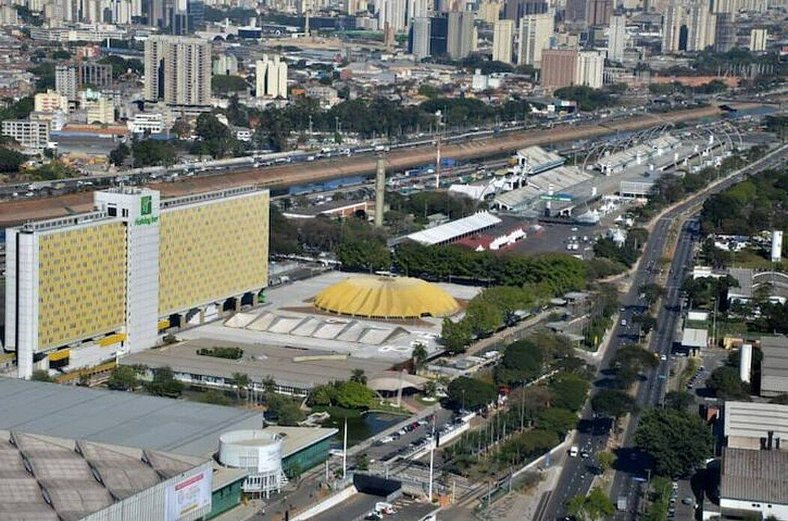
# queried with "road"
point(576, 476)
point(15, 212)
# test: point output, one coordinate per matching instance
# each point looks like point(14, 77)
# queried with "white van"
point(573, 451)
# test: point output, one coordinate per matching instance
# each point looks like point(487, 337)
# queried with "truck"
point(573, 451)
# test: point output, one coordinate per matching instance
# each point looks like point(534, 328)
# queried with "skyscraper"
point(671, 27)
point(702, 27)
point(725, 33)
point(178, 70)
point(66, 81)
point(559, 68)
point(271, 77)
point(503, 36)
point(575, 11)
point(392, 12)
point(439, 35)
point(419, 39)
point(459, 40)
point(590, 69)
point(535, 32)
point(616, 40)
point(598, 12)
point(516, 9)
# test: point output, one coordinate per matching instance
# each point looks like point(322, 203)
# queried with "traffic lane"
point(379, 450)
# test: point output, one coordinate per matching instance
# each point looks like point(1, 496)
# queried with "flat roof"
point(692, 337)
point(774, 366)
point(296, 439)
point(755, 475)
point(119, 418)
point(755, 420)
point(286, 365)
point(455, 229)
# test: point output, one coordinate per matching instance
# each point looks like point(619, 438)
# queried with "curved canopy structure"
point(386, 297)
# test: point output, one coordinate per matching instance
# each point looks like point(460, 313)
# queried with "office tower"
point(439, 35)
point(459, 40)
point(419, 40)
point(392, 12)
point(758, 40)
point(702, 27)
point(725, 35)
point(178, 70)
point(672, 23)
point(92, 285)
point(534, 35)
point(416, 9)
point(599, 12)
point(271, 77)
point(590, 69)
point(503, 37)
point(489, 11)
point(195, 10)
point(516, 9)
point(616, 40)
point(97, 75)
point(575, 11)
point(66, 81)
point(559, 68)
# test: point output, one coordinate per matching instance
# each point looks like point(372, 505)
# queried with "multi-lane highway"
point(576, 476)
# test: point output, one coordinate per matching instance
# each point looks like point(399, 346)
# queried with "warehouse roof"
point(774, 366)
point(755, 475)
point(120, 418)
point(755, 420)
point(695, 337)
point(77, 478)
point(455, 229)
point(537, 159)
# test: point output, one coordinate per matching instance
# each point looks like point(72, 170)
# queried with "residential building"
point(50, 101)
point(459, 40)
point(616, 40)
point(178, 71)
point(111, 281)
point(535, 32)
point(66, 81)
point(271, 77)
point(575, 11)
point(96, 75)
point(758, 40)
point(590, 69)
point(225, 64)
point(489, 11)
point(146, 123)
point(702, 27)
point(516, 9)
point(393, 13)
point(419, 40)
point(725, 34)
point(503, 37)
point(559, 68)
point(101, 111)
point(33, 136)
point(598, 12)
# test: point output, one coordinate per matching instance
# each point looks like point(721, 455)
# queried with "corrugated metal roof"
point(755, 420)
point(695, 337)
point(755, 475)
point(449, 231)
point(774, 366)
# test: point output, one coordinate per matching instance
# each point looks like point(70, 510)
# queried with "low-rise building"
point(774, 367)
point(50, 101)
point(32, 135)
point(152, 123)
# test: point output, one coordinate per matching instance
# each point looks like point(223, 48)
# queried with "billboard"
point(187, 497)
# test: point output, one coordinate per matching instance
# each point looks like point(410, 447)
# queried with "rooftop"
point(695, 337)
point(755, 420)
point(120, 418)
point(755, 475)
point(774, 366)
point(296, 439)
point(455, 229)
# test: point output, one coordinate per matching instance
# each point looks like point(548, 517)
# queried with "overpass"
point(16, 212)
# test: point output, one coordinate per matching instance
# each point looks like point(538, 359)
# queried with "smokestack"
point(380, 190)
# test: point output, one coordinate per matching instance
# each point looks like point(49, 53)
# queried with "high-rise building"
point(725, 34)
point(534, 36)
point(97, 75)
point(419, 38)
point(271, 77)
point(672, 24)
point(178, 70)
point(590, 69)
point(459, 40)
point(575, 10)
point(758, 40)
point(516, 9)
point(416, 9)
point(701, 28)
point(489, 11)
point(725, 6)
point(559, 68)
point(225, 64)
point(616, 40)
point(503, 37)
point(66, 81)
point(393, 13)
point(598, 12)
point(50, 101)
point(439, 35)
point(101, 284)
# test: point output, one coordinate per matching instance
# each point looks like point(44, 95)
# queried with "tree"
point(283, 410)
point(214, 397)
point(652, 292)
point(354, 395)
point(363, 253)
point(358, 376)
point(322, 395)
point(362, 461)
point(677, 442)
point(430, 388)
point(10, 160)
point(522, 361)
point(151, 152)
point(223, 84)
point(606, 460)
point(269, 384)
point(679, 400)
point(569, 391)
point(613, 403)
point(470, 393)
point(123, 378)
point(557, 420)
point(455, 336)
point(630, 361)
point(39, 375)
point(595, 506)
point(181, 128)
point(164, 383)
point(215, 138)
point(240, 381)
point(118, 155)
point(419, 356)
point(726, 385)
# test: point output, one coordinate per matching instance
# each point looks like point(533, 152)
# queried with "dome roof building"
point(386, 297)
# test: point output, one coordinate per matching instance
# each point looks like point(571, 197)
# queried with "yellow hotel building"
point(90, 287)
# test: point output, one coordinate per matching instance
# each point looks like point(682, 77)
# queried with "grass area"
point(752, 259)
point(697, 324)
point(730, 328)
point(660, 499)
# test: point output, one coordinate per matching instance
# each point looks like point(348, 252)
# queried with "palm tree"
point(240, 381)
point(419, 356)
point(359, 376)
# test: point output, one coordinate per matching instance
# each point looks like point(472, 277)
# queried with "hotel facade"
point(90, 287)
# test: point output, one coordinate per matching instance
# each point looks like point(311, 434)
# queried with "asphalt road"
point(576, 476)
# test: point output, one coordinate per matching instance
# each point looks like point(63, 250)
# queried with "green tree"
point(679, 400)
point(358, 376)
point(569, 391)
point(613, 403)
point(471, 393)
point(214, 138)
point(151, 152)
point(676, 441)
point(630, 361)
point(123, 378)
point(181, 128)
point(606, 460)
point(354, 395)
point(522, 361)
point(164, 383)
point(726, 385)
point(419, 356)
point(593, 507)
point(363, 253)
point(39, 375)
point(361, 461)
point(214, 397)
point(652, 292)
point(322, 395)
point(557, 420)
point(223, 84)
point(283, 410)
point(455, 336)
point(240, 382)
point(119, 154)
point(10, 160)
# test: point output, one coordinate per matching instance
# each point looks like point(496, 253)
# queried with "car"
point(675, 485)
point(663, 357)
point(689, 500)
point(584, 454)
point(573, 451)
point(622, 309)
point(623, 322)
